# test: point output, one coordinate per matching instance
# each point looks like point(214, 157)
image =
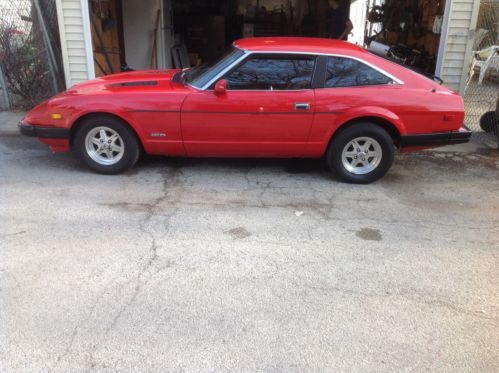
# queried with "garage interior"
point(150, 34)
point(407, 32)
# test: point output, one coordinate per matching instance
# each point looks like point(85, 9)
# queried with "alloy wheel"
point(104, 145)
point(361, 155)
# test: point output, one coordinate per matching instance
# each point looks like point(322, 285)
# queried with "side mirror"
point(221, 87)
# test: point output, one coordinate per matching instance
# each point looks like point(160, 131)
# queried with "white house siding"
point(456, 43)
point(76, 40)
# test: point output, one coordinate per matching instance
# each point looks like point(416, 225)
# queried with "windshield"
point(198, 76)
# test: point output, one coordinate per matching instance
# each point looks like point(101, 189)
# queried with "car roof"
point(297, 44)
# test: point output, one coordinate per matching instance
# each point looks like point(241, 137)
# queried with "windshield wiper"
point(187, 75)
point(194, 72)
point(178, 77)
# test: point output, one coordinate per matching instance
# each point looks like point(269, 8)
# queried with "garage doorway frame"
point(165, 38)
point(442, 46)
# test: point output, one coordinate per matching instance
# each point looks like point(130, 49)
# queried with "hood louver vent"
point(136, 84)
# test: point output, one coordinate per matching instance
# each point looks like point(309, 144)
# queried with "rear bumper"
point(435, 139)
point(43, 131)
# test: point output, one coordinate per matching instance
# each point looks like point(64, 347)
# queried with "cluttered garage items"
point(406, 31)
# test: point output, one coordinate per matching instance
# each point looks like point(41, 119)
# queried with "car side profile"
point(268, 97)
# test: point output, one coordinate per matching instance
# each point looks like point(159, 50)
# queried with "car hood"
point(133, 80)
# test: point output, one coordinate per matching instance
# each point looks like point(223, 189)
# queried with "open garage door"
point(137, 35)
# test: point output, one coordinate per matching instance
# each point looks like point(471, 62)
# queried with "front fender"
point(110, 109)
point(70, 109)
point(148, 115)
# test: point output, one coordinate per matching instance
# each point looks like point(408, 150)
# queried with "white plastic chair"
point(491, 62)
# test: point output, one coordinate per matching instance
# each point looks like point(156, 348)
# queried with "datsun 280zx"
point(267, 97)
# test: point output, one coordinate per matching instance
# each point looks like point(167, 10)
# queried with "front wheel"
point(361, 153)
point(107, 145)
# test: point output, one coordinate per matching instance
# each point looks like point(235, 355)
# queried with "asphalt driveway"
point(247, 265)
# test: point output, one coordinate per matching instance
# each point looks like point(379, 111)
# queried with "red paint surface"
point(258, 123)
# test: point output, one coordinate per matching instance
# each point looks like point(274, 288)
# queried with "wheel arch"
point(392, 129)
point(78, 122)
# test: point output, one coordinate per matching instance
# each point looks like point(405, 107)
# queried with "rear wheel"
point(107, 145)
point(361, 153)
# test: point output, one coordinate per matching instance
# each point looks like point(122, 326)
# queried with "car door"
point(267, 109)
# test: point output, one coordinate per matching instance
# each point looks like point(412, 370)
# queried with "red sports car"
point(268, 97)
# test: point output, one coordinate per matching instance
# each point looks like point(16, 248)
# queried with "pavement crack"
point(5, 235)
point(68, 348)
point(169, 179)
point(405, 295)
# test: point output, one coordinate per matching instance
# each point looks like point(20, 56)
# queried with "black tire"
point(127, 141)
point(489, 122)
point(334, 155)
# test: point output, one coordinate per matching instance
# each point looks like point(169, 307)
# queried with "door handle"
point(302, 106)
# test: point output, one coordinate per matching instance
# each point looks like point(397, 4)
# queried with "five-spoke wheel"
point(361, 153)
point(107, 144)
point(104, 145)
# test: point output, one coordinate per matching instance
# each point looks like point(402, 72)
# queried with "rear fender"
point(359, 113)
point(326, 126)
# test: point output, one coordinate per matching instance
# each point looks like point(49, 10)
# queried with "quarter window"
point(273, 73)
point(346, 72)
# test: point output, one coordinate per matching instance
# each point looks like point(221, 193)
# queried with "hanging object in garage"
point(106, 43)
point(437, 24)
point(407, 32)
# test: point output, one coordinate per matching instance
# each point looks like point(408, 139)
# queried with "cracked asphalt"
point(195, 265)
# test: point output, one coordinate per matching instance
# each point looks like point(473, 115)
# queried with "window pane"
point(271, 73)
point(345, 72)
point(200, 75)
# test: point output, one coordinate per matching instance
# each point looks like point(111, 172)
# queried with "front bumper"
point(435, 139)
point(43, 131)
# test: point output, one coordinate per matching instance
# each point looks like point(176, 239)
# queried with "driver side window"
point(273, 73)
